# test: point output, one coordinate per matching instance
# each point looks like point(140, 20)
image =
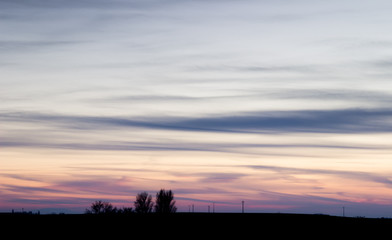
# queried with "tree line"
point(164, 203)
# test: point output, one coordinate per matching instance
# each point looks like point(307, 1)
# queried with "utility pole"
point(208, 208)
point(344, 214)
point(243, 206)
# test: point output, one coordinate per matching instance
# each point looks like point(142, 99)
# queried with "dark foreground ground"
point(192, 225)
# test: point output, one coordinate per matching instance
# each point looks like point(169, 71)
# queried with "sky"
point(282, 104)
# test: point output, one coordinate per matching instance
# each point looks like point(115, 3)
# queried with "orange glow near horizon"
point(281, 180)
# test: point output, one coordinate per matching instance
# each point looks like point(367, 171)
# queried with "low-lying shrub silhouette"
point(101, 207)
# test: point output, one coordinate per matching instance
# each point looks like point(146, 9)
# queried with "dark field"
point(188, 225)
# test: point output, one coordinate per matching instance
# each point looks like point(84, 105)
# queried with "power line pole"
point(243, 206)
point(344, 214)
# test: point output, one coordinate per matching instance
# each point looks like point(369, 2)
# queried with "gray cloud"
point(148, 98)
point(48, 4)
point(47, 129)
point(200, 200)
point(37, 44)
point(219, 177)
point(334, 94)
point(343, 97)
point(52, 201)
point(175, 146)
point(112, 146)
point(323, 121)
point(296, 199)
point(382, 63)
point(320, 121)
point(254, 68)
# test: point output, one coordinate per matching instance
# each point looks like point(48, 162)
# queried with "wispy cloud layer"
point(318, 121)
point(363, 176)
point(275, 89)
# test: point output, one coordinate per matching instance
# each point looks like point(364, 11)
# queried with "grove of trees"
point(164, 203)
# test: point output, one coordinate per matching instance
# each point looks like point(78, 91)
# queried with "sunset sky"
point(283, 104)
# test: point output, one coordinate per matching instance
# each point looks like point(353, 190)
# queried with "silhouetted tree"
point(143, 203)
point(100, 207)
point(164, 202)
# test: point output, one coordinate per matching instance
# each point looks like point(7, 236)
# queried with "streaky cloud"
point(350, 121)
point(365, 176)
point(319, 121)
point(30, 190)
point(176, 146)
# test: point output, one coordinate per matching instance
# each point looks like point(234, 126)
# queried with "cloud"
point(104, 146)
point(219, 177)
point(171, 145)
point(77, 187)
point(364, 176)
point(48, 4)
point(385, 63)
point(97, 133)
point(30, 190)
point(52, 201)
point(37, 44)
point(147, 98)
point(318, 121)
point(296, 199)
point(201, 200)
point(255, 68)
point(333, 94)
